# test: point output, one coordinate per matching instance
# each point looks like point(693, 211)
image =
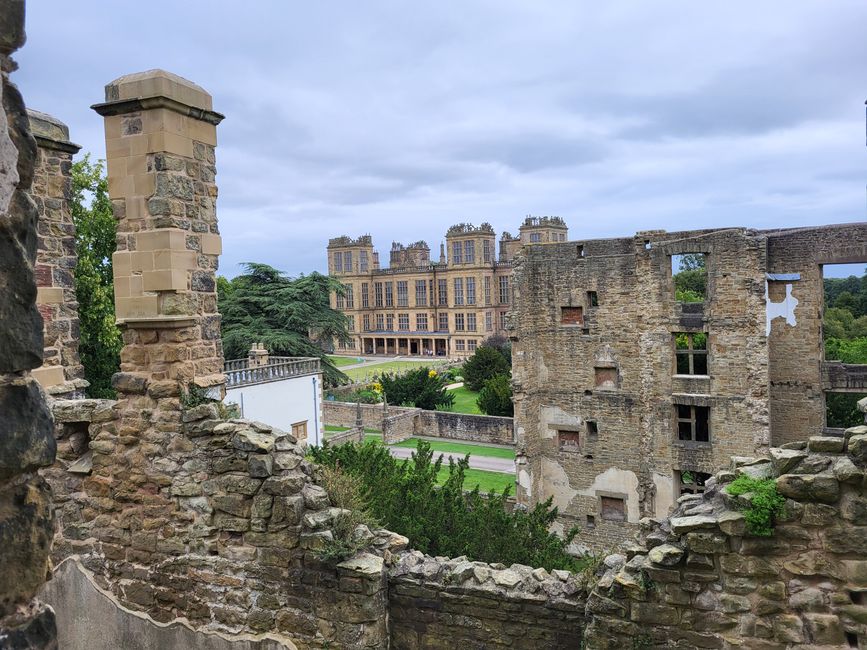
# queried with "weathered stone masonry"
point(61, 373)
point(26, 427)
point(594, 330)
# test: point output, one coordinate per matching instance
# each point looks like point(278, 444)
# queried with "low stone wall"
point(401, 426)
point(435, 424)
point(473, 428)
point(698, 580)
point(355, 434)
point(438, 603)
point(223, 532)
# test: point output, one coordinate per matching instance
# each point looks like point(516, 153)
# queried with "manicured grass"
point(465, 401)
point(462, 448)
point(487, 481)
point(368, 372)
point(345, 361)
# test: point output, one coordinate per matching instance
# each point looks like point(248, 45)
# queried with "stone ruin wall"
point(626, 335)
point(61, 374)
point(26, 428)
point(180, 514)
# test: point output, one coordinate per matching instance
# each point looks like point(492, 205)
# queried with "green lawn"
point(368, 372)
point(345, 361)
point(462, 448)
point(465, 401)
point(487, 481)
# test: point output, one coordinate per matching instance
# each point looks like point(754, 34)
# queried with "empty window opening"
point(605, 377)
point(588, 456)
point(852, 639)
point(841, 410)
point(591, 522)
point(569, 440)
point(580, 250)
point(588, 393)
point(692, 423)
point(689, 272)
point(592, 429)
point(690, 352)
point(592, 299)
point(613, 508)
point(647, 245)
point(858, 597)
point(572, 315)
point(845, 312)
point(691, 482)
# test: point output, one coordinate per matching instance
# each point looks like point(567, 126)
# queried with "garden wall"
point(434, 424)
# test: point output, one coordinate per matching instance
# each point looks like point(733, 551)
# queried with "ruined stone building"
point(420, 307)
point(170, 526)
point(626, 398)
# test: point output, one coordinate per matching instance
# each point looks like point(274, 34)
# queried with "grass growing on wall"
point(765, 503)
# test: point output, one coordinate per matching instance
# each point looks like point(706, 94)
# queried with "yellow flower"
point(376, 387)
point(432, 373)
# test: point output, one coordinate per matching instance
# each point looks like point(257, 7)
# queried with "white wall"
point(283, 403)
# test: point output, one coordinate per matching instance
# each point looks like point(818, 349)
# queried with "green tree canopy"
point(486, 363)
point(496, 397)
point(95, 230)
point(291, 316)
point(439, 518)
point(423, 388)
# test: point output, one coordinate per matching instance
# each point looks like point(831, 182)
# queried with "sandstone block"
point(821, 488)
point(666, 555)
point(26, 428)
point(682, 525)
point(251, 441)
point(827, 444)
point(287, 511)
point(785, 459)
point(825, 629)
point(261, 465)
point(858, 449)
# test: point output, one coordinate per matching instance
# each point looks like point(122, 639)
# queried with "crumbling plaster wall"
point(636, 452)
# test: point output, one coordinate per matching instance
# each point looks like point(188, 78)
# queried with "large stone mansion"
point(420, 307)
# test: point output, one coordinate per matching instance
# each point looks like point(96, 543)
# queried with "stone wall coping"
point(125, 106)
point(51, 133)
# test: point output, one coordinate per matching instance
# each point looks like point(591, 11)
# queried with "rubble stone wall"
point(439, 603)
point(700, 580)
point(61, 373)
point(225, 538)
point(26, 427)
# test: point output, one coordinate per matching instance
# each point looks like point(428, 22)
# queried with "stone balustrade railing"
point(239, 373)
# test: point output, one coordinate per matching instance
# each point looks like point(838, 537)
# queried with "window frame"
point(690, 354)
point(693, 421)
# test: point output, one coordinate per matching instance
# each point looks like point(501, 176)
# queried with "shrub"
point(485, 364)
point(405, 497)
point(421, 387)
point(345, 492)
point(496, 397)
point(765, 503)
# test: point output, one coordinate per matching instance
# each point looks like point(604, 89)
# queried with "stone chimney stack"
point(61, 374)
point(257, 356)
point(160, 135)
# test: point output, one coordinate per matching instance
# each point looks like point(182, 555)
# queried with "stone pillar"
point(160, 134)
point(26, 428)
point(257, 356)
point(61, 373)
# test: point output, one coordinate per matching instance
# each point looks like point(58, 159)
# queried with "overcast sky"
point(399, 119)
